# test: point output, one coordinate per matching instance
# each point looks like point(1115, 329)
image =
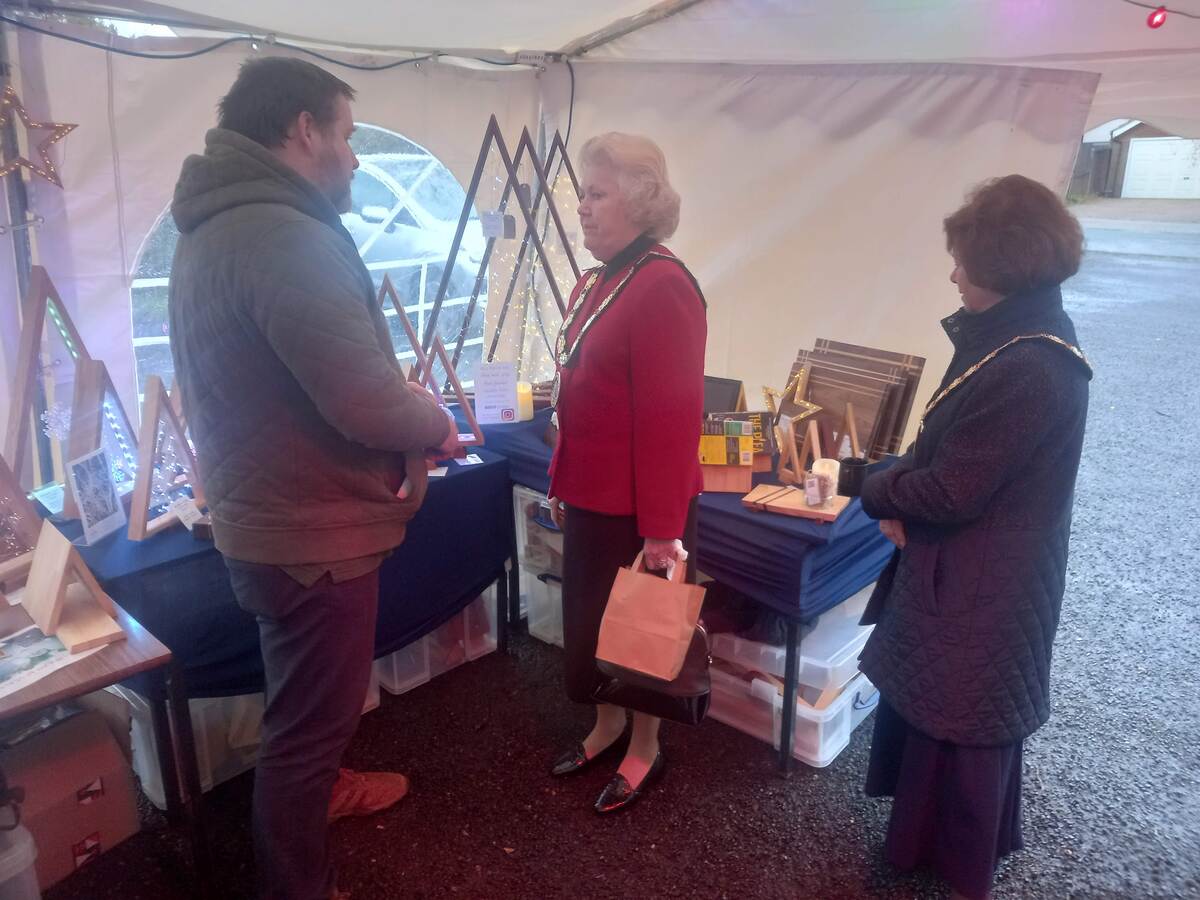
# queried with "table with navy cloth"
point(797, 567)
point(178, 587)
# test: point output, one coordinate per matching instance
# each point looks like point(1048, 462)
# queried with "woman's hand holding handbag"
point(651, 649)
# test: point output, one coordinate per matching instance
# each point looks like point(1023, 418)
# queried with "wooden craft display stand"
point(849, 428)
point(493, 139)
point(155, 409)
point(422, 373)
point(63, 597)
point(789, 500)
point(557, 155)
point(794, 460)
point(25, 524)
point(40, 297)
point(92, 386)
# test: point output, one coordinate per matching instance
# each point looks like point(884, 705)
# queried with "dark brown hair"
point(272, 91)
point(1014, 234)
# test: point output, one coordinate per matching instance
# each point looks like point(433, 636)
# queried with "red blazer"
point(630, 406)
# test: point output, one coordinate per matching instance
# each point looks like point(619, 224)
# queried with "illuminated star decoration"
point(58, 130)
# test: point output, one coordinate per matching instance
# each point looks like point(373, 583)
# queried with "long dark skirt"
point(956, 809)
point(594, 547)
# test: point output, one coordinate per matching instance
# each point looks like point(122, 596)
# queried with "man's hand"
point(893, 530)
point(450, 445)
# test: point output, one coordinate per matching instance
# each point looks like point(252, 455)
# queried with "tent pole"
point(622, 27)
point(18, 214)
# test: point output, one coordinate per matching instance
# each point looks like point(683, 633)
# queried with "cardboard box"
point(79, 795)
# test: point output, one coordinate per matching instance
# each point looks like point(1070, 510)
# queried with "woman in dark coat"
point(980, 511)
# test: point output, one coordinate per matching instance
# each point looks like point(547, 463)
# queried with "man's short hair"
point(270, 92)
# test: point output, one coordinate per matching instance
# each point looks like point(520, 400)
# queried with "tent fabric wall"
point(813, 195)
point(139, 118)
point(1148, 74)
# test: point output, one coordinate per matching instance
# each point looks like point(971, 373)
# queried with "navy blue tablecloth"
point(178, 587)
point(798, 567)
point(528, 455)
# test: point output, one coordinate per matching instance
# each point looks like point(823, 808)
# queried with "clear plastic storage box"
point(756, 708)
point(828, 654)
point(543, 608)
point(469, 635)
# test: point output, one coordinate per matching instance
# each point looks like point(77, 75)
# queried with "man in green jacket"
point(305, 430)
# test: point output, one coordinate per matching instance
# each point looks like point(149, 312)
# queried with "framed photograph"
point(100, 508)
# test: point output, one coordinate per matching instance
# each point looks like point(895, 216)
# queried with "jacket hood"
point(235, 171)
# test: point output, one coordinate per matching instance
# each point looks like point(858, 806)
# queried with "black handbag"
point(685, 699)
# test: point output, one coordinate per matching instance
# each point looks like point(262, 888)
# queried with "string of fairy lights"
point(533, 317)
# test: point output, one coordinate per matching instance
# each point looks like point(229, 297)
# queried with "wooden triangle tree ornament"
point(19, 528)
point(161, 443)
point(98, 419)
point(557, 154)
point(63, 597)
point(41, 300)
point(387, 293)
point(493, 138)
point(438, 353)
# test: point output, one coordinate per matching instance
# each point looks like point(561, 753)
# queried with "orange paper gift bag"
point(649, 621)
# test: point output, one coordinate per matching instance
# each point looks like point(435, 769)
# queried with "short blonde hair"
point(641, 169)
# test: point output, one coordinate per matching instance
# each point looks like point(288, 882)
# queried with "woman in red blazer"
point(629, 396)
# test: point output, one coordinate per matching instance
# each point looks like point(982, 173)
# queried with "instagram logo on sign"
point(508, 415)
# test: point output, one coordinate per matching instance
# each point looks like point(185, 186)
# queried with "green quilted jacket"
point(298, 409)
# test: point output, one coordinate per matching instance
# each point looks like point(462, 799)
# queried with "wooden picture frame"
point(96, 403)
point(63, 598)
point(41, 300)
point(723, 395)
point(874, 359)
point(22, 520)
point(156, 410)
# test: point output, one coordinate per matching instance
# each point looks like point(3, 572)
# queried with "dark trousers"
point(317, 645)
point(594, 547)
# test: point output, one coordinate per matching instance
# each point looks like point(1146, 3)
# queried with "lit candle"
point(524, 401)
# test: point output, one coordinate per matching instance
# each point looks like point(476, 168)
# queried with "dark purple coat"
point(966, 614)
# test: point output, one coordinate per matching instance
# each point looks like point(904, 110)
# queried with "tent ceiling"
point(794, 31)
point(504, 25)
point(992, 31)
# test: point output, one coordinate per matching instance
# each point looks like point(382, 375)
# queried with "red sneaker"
point(364, 793)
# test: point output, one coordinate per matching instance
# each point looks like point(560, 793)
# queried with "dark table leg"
point(189, 775)
point(788, 728)
point(514, 591)
point(502, 612)
point(165, 747)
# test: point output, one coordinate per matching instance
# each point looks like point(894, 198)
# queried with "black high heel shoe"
point(618, 794)
point(576, 759)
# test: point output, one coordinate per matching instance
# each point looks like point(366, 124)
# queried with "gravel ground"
point(1112, 787)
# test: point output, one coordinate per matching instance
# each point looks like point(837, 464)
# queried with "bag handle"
point(639, 565)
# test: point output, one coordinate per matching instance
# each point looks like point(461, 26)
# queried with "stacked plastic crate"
point(833, 697)
point(540, 554)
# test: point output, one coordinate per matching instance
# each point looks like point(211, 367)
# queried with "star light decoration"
point(10, 103)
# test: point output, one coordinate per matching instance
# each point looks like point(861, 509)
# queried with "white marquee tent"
point(817, 145)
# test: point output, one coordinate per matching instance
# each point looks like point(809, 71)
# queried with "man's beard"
point(337, 186)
